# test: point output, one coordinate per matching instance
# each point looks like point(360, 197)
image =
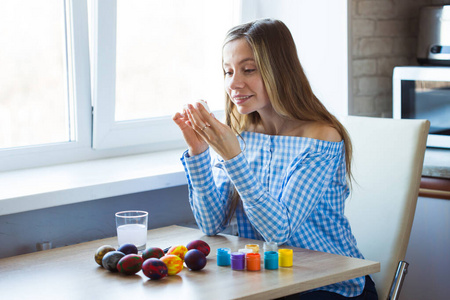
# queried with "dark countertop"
point(436, 163)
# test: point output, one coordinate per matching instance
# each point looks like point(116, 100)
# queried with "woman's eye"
point(249, 70)
point(228, 73)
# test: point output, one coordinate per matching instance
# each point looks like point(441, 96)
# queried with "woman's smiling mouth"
point(241, 99)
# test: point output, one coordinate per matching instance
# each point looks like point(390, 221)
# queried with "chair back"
point(387, 166)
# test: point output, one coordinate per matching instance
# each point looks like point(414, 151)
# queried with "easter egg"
point(128, 249)
point(130, 264)
point(195, 260)
point(174, 263)
point(199, 245)
point(101, 251)
point(179, 251)
point(110, 260)
point(152, 252)
point(154, 268)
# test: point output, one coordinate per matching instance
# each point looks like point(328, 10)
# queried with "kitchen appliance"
point(433, 42)
point(424, 93)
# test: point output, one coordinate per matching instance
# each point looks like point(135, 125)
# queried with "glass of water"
point(132, 228)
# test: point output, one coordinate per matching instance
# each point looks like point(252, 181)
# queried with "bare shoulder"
point(328, 133)
point(320, 131)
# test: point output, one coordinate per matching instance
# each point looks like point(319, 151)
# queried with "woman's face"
point(243, 81)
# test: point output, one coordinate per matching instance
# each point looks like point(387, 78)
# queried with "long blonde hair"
point(285, 81)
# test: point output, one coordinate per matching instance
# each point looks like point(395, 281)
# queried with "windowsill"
point(38, 188)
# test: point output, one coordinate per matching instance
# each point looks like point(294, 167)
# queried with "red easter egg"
point(130, 264)
point(152, 252)
point(199, 245)
point(154, 268)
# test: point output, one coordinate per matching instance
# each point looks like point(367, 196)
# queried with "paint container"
point(285, 257)
point(270, 246)
point(254, 247)
point(238, 261)
point(223, 257)
point(246, 251)
point(253, 261)
point(271, 260)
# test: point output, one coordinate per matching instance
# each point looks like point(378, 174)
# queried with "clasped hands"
point(201, 129)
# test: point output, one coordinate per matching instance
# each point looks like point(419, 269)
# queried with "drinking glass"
point(132, 228)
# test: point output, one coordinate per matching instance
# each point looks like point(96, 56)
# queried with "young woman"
point(281, 162)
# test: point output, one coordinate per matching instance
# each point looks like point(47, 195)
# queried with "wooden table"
point(71, 273)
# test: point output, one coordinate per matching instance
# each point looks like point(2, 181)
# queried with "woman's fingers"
point(208, 116)
point(204, 116)
point(196, 119)
point(200, 124)
point(180, 119)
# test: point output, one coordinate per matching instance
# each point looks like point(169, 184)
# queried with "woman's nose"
point(236, 82)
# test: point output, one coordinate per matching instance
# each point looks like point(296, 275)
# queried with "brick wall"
point(384, 35)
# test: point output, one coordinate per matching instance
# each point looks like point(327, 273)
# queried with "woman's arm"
point(208, 193)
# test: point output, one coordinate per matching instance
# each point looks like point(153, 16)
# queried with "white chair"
point(387, 165)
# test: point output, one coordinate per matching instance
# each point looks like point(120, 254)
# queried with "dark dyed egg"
point(110, 260)
point(199, 245)
point(128, 249)
point(152, 252)
point(101, 251)
point(195, 260)
point(154, 268)
point(130, 264)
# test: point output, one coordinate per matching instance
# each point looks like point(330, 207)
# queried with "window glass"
point(169, 54)
point(34, 107)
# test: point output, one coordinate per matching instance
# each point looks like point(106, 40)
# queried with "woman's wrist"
point(231, 156)
point(194, 152)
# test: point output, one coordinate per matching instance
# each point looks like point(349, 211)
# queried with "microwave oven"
point(424, 93)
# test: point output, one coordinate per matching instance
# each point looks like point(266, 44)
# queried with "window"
point(44, 90)
point(34, 103)
point(63, 99)
point(173, 62)
point(167, 53)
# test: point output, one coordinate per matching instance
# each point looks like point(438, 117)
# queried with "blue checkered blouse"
point(293, 191)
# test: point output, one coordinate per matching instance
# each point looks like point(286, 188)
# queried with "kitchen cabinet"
point(428, 250)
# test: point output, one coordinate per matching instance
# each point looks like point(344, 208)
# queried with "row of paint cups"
point(250, 259)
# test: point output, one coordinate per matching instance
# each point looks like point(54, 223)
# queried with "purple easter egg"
point(195, 260)
point(128, 249)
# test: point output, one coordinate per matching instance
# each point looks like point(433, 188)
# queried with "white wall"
point(320, 30)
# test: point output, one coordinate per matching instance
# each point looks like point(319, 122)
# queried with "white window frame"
point(156, 133)
point(78, 80)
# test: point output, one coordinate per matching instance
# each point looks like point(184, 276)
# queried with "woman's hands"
point(201, 129)
point(196, 144)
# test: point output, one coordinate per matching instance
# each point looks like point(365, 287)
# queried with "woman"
point(282, 160)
